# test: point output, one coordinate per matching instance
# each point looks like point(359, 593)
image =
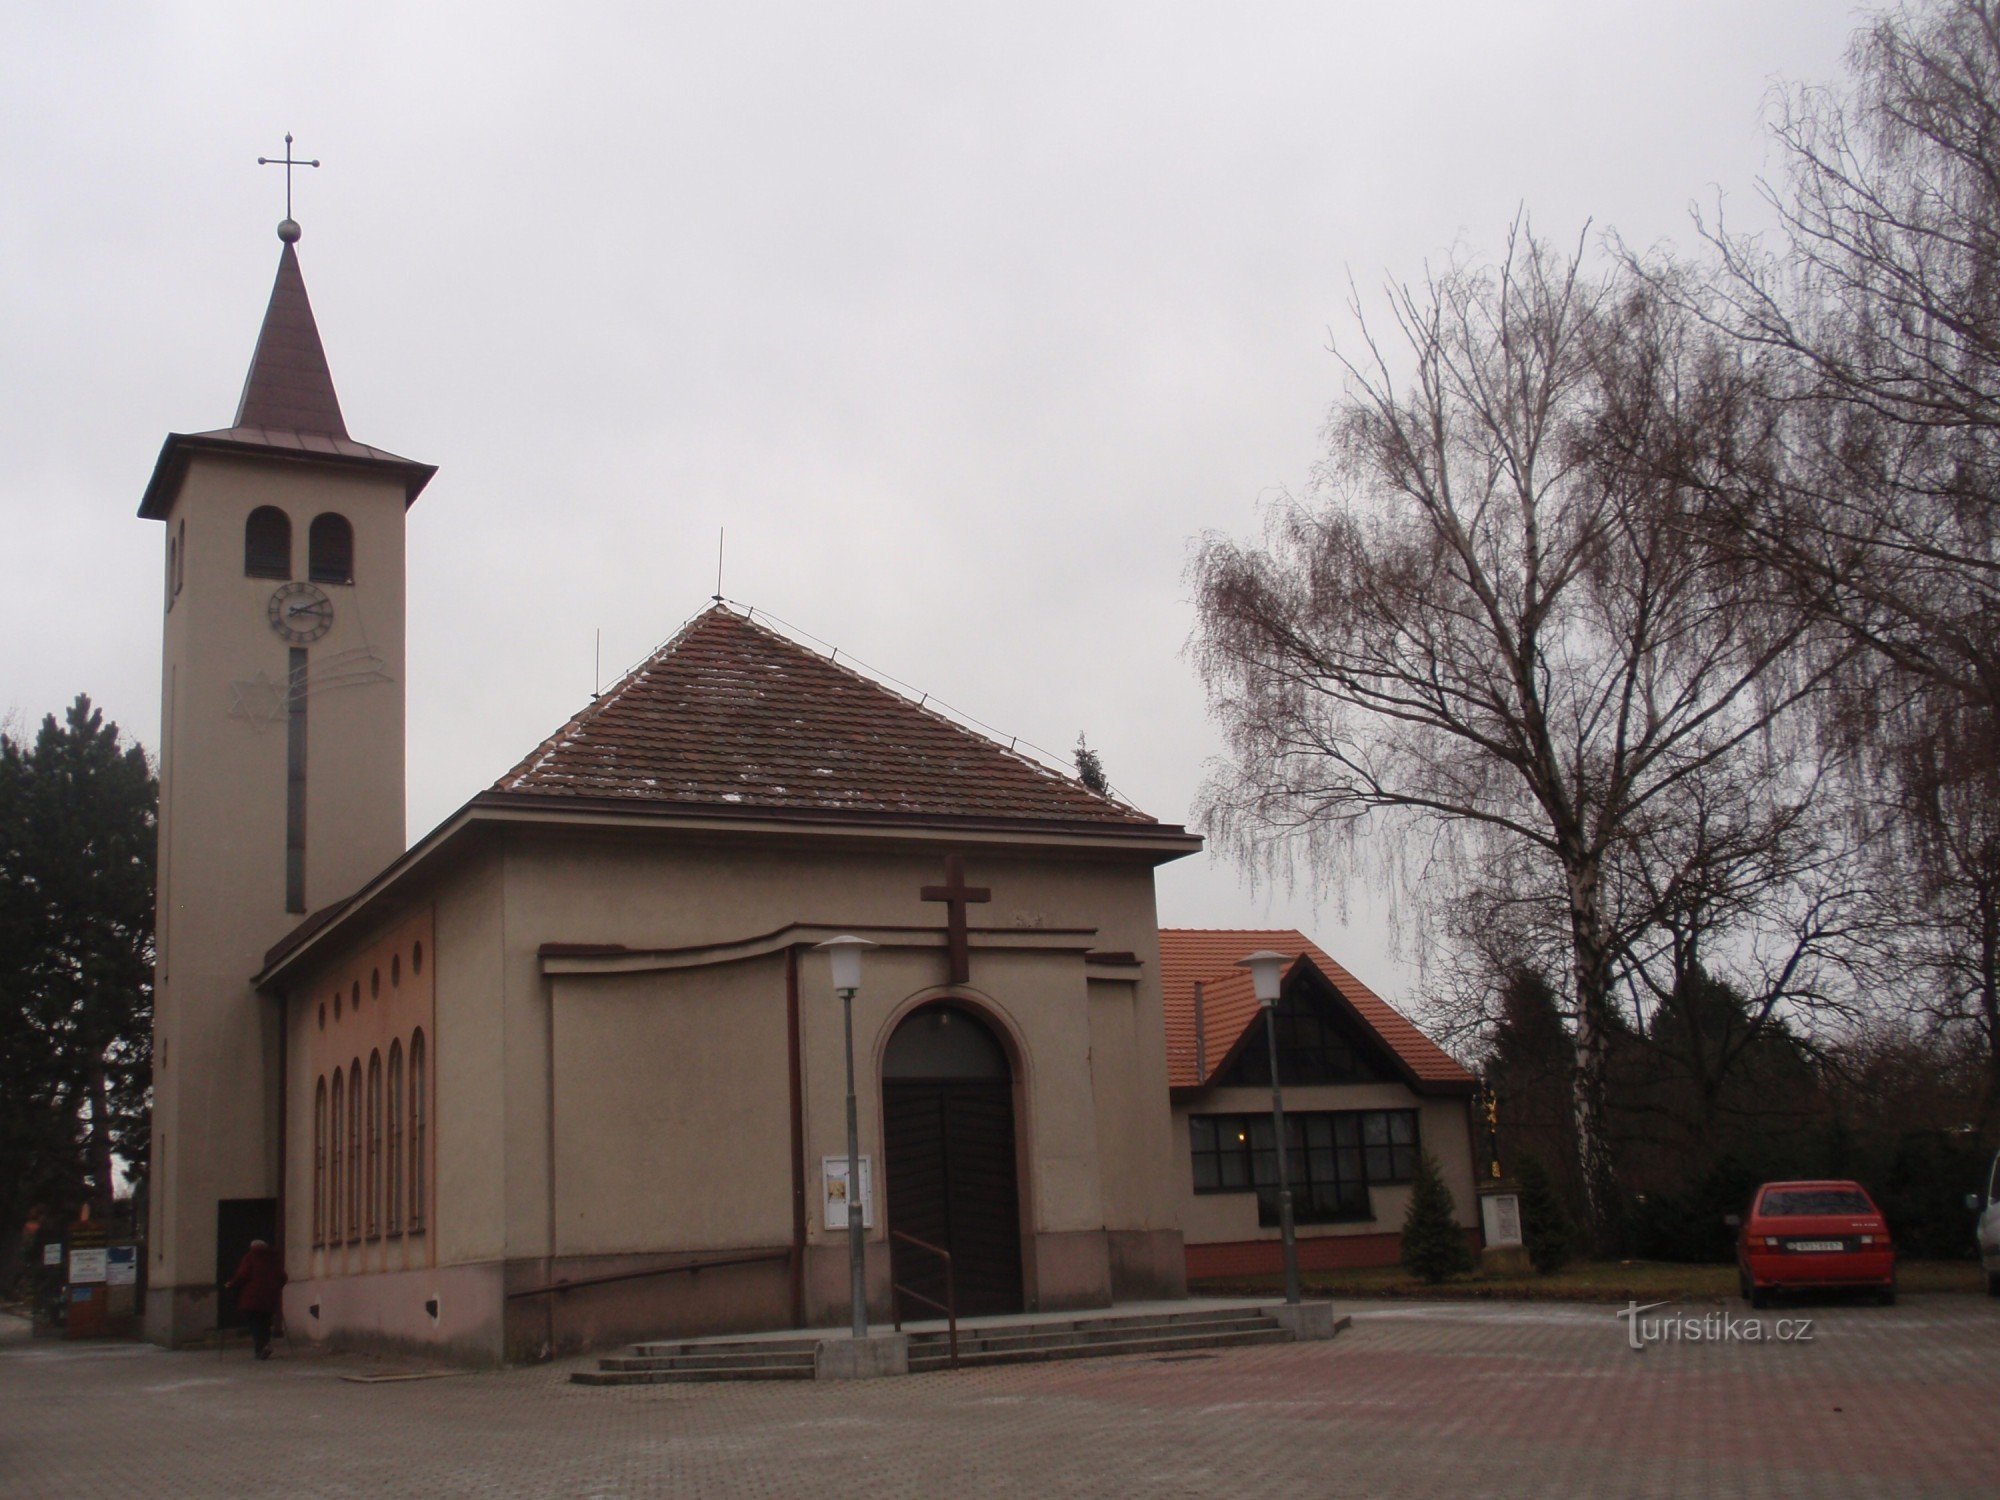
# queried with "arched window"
point(336, 1176)
point(354, 1150)
point(267, 543)
point(374, 1145)
point(417, 1104)
point(319, 1163)
point(394, 1158)
point(330, 549)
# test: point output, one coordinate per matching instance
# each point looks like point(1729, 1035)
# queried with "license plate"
point(1818, 1245)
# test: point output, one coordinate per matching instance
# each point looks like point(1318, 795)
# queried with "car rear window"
point(1800, 1203)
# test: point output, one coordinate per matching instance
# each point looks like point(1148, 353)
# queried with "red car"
point(1814, 1234)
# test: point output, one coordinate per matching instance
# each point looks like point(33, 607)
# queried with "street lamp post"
point(845, 952)
point(1267, 975)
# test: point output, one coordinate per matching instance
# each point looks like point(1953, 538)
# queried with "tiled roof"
point(731, 713)
point(1229, 1004)
point(289, 386)
point(288, 410)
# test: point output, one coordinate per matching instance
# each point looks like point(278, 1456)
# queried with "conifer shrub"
point(1434, 1245)
point(1546, 1230)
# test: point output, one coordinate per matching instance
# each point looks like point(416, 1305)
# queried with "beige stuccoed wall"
point(614, 1115)
point(222, 833)
point(672, 1121)
point(378, 1293)
point(1226, 1218)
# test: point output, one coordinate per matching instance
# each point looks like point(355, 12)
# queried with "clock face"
point(300, 613)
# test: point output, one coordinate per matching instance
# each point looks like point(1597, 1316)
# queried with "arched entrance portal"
point(948, 1134)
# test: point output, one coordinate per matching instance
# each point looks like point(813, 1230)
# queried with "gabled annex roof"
point(730, 713)
point(288, 410)
point(1229, 1005)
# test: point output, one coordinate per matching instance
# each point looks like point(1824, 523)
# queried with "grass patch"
point(1584, 1281)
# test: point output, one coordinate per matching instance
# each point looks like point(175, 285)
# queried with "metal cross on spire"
point(287, 161)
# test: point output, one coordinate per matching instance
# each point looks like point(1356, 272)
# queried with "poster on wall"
point(86, 1266)
point(121, 1266)
point(834, 1195)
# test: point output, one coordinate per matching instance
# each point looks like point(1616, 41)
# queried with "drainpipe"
point(1200, 1038)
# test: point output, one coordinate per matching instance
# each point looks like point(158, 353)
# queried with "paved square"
point(1416, 1399)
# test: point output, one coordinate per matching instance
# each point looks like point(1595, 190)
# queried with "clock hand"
point(306, 609)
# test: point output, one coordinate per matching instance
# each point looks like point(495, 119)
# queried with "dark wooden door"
point(950, 1148)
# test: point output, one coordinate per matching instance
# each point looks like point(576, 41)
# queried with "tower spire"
point(289, 387)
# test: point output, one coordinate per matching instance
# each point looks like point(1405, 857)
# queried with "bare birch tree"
point(1486, 639)
point(1878, 315)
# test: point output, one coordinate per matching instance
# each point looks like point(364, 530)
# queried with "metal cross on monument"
point(956, 896)
point(287, 161)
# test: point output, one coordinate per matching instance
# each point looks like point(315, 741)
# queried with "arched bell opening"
point(949, 1148)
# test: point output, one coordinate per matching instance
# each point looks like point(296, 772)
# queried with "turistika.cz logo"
point(1708, 1328)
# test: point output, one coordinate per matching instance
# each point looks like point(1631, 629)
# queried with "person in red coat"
point(259, 1284)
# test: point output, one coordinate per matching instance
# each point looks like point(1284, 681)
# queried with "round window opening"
point(322, 1015)
point(374, 983)
point(336, 1005)
point(417, 959)
point(395, 969)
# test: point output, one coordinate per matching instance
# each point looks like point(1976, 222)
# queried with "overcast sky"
point(962, 320)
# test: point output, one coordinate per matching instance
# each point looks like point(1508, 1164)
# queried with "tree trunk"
point(100, 1139)
point(1590, 968)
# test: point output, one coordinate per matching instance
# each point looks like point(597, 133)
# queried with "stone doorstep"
point(1017, 1339)
point(718, 1359)
point(678, 1376)
point(1011, 1338)
point(663, 1350)
point(939, 1358)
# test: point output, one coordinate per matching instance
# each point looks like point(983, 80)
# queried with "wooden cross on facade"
point(956, 896)
point(287, 161)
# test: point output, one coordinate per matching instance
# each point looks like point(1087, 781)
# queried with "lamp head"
point(1267, 970)
point(845, 952)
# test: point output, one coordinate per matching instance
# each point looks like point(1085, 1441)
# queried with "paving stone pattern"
point(1416, 1399)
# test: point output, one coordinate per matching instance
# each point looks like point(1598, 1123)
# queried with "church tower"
point(281, 769)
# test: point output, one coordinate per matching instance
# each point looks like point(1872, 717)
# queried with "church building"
point(571, 1070)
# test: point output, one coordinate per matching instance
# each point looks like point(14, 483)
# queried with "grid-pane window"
point(336, 1175)
point(354, 1151)
point(1332, 1158)
point(374, 1145)
point(419, 1177)
point(394, 1157)
point(319, 1164)
point(1316, 1045)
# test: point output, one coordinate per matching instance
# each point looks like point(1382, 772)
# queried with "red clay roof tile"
point(729, 712)
point(1229, 1004)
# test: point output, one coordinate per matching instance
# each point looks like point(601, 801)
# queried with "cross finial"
point(289, 230)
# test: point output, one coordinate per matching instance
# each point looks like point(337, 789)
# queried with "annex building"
point(570, 1070)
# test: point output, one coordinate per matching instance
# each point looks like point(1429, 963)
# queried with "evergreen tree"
point(1546, 1230)
point(1434, 1245)
point(1090, 769)
point(77, 837)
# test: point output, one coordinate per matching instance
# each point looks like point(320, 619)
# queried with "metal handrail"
point(949, 1307)
point(692, 1265)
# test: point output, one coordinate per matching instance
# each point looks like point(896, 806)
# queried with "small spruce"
point(1546, 1231)
point(1434, 1245)
point(1090, 769)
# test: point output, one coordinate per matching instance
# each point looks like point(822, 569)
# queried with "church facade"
point(635, 1057)
point(571, 1069)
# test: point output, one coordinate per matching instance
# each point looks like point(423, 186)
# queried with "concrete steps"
point(985, 1343)
point(1094, 1338)
point(705, 1359)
